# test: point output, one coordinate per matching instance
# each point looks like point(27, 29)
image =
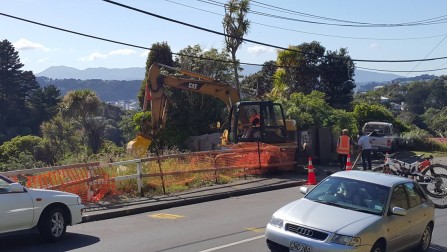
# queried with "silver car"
point(355, 211)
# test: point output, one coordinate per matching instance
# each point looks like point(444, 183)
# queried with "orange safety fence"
point(161, 174)
point(90, 183)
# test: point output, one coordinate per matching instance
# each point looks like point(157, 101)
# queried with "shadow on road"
point(437, 248)
point(32, 242)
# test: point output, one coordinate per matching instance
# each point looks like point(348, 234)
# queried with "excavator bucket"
point(138, 146)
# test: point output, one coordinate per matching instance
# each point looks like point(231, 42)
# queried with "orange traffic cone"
point(348, 163)
point(311, 179)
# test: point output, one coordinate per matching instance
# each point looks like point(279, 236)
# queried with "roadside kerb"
point(192, 197)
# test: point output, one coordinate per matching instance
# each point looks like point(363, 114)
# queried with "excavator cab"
point(257, 121)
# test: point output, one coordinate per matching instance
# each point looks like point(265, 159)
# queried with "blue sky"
point(40, 47)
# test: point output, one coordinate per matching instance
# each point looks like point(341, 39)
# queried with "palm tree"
point(235, 27)
point(84, 106)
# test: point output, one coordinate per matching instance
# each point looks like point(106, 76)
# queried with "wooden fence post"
point(90, 183)
point(140, 177)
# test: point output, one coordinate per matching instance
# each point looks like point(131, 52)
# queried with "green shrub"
point(418, 139)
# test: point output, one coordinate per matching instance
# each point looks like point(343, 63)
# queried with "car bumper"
point(281, 239)
point(76, 213)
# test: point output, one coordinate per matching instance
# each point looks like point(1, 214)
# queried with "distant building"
point(126, 105)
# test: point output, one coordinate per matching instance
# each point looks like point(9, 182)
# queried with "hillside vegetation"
point(45, 124)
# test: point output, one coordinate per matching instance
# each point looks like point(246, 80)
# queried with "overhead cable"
point(252, 41)
point(180, 54)
point(431, 21)
point(304, 32)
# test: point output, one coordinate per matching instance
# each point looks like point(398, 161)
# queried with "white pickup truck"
point(382, 136)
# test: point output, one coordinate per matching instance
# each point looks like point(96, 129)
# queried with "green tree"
point(64, 137)
point(16, 87)
point(160, 53)
point(301, 65)
point(128, 126)
point(280, 89)
point(112, 131)
point(195, 59)
point(415, 97)
point(235, 25)
point(84, 107)
point(31, 149)
point(44, 104)
point(340, 119)
point(260, 83)
point(309, 110)
point(365, 113)
point(436, 121)
point(336, 79)
point(438, 94)
point(47, 101)
point(312, 110)
point(309, 67)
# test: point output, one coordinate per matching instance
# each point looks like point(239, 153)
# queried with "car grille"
point(307, 232)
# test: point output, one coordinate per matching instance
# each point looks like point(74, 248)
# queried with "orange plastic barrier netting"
point(175, 172)
point(264, 157)
point(90, 184)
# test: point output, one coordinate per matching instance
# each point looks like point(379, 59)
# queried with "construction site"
point(258, 140)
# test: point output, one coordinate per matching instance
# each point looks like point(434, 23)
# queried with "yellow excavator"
point(248, 121)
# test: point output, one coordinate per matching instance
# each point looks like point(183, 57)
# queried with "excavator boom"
point(156, 97)
point(251, 124)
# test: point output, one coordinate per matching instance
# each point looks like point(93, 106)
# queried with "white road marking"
point(234, 243)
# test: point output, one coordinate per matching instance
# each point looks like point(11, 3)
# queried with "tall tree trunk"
point(236, 74)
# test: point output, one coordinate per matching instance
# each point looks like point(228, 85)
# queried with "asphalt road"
point(233, 224)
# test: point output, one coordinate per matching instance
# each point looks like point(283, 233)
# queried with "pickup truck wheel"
point(52, 224)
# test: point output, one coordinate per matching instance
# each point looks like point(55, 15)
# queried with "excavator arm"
point(156, 97)
point(199, 84)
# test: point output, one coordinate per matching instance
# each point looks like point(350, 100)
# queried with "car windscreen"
point(353, 194)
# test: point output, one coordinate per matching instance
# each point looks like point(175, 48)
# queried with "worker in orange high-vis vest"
point(345, 146)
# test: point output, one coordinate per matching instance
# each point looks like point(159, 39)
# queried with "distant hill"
point(362, 76)
point(124, 83)
point(137, 73)
point(106, 90)
point(101, 73)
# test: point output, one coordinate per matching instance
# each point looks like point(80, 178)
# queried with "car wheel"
point(424, 244)
point(379, 246)
point(52, 224)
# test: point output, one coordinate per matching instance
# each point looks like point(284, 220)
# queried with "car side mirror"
point(399, 211)
point(303, 190)
point(15, 187)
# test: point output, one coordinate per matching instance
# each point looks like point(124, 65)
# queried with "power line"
point(253, 41)
point(431, 21)
point(400, 71)
point(440, 42)
point(311, 33)
point(179, 54)
point(272, 7)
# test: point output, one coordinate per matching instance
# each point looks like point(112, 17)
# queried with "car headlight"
point(346, 240)
point(79, 200)
point(277, 222)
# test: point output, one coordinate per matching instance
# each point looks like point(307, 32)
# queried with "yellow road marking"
point(166, 216)
point(256, 230)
